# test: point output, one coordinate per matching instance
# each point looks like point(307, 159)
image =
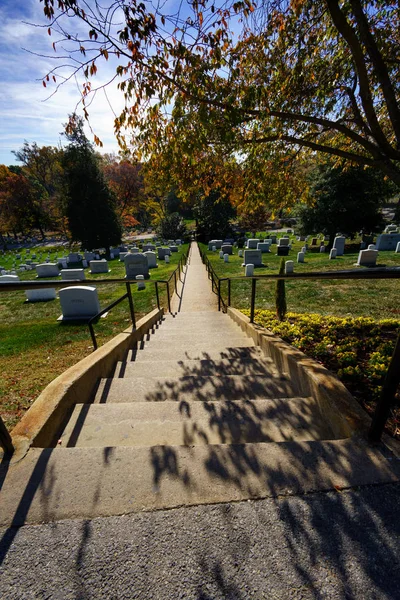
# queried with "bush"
point(172, 227)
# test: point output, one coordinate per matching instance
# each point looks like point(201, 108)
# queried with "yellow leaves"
point(98, 141)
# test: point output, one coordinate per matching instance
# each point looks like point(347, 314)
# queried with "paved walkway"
point(196, 294)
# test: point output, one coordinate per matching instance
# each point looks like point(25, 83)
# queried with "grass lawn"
point(377, 299)
point(35, 348)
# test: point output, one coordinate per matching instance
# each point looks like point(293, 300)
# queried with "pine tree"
point(90, 211)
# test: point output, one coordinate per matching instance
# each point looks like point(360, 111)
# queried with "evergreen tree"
point(90, 206)
point(213, 215)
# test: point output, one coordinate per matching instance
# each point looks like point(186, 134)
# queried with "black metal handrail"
point(392, 380)
point(5, 438)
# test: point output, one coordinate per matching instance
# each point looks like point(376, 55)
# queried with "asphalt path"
point(341, 545)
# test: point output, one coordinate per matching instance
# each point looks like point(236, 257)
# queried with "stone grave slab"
point(253, 257)
point(40, 295)
point(89, 256)
point(339, 244)
point(78, 303)
point(47, 270)
point(136, 264)
point(151, 259)
point(227, 249)
point(283, 250)
point(252, 244)
point(99, 266)
point(72, 274)
point(74, 257)
point(387, 241)
point(367, 258)
point(264, 247)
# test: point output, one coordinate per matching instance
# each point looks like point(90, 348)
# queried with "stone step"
point(185, 389)
point(194, 352)
point(200, 343)
point(187, 338)
point(194, 423)
point(69, 483)
point(202, 368)
point(179, 327)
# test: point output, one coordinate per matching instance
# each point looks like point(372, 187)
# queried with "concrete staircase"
point(196, 379)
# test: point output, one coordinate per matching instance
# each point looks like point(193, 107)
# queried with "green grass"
point(35, 348)
point(377, 299)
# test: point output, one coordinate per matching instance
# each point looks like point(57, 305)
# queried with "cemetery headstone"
point(240, 253)
point(74, 257)
point(89, 256)
point(47, 270)
point(387, 241)
point(40, 295)
point(140, 282)
point(249, 270)
point(167, 258)
point(174, 248)
point(339, 244)
point(221, 254)
point(273, 239)
point(122, 256)
point(226, 258)
point(136, 264)
point(289, 267)
point(99, 266)
point(9, 278)
point(367, 258)
point(283, 250)
point(264, 247)
point(252, 244)
point(332, 253)
point(79, 302)
point(151, 259)
point(322, 248)
point(227, 249)
point(300, 257)
point(253, 257)
point(398, 247)
point(72, 274)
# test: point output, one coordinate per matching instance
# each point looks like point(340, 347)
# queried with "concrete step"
point(186, 389)
point(68, 483)
point(202, 368)
point(193, 423)
point(201, 342)
point(194, 352)
point(188, 337)
point(179, 327)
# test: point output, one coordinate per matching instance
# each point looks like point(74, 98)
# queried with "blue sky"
point(26, 111)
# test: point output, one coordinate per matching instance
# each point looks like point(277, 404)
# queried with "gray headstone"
point(227, 249)
point(398, 247)
point(252, 244)
point(300, 257)
point(9, 278)
point(226, 258)
point(136, 264)
point(69, 274)
point(47, 270)
point(174, 248)
point(40, 295)
point(264, 247)
point(79, 302)
point(89, 256)
point(253, 257)
point(140, 282)
point(332, 253)
point(74, 257)
point(387, 241)
point(99, 266)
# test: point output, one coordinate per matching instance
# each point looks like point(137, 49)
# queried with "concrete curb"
point(42, 421)
point(309, 378)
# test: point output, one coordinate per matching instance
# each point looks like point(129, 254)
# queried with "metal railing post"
point(157, 295)
point(219, 294)
point(5, 439)
point(175, 279)
point(131, 306)
point(387, 397)
point(229, 292)
point(93, 335)
point(169, 299)
point(253, 299)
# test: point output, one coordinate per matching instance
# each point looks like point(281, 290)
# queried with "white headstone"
point(221, 254)
point(289, 266)
point(69, 274)
point(151, 259)
point(9, 278)
point(47, 270)
point(136, 264)
point(332, 253)
point(253, 257)
point(398, 247)
point(166, 258)
point(322, 248)
point(371, 247)
point(300, 257)
point(367, 258)
point(226, 258)
point(240, 252)
point(249, 270)
point(79, 302)
point(252, 244)
point(304, 249)
point(99, 266)
point(40, 295)
point(140, 282)
point(339, 243)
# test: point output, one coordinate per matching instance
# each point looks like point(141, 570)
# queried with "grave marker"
point(136, 264)
point(99, 266)
point(79, 302)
